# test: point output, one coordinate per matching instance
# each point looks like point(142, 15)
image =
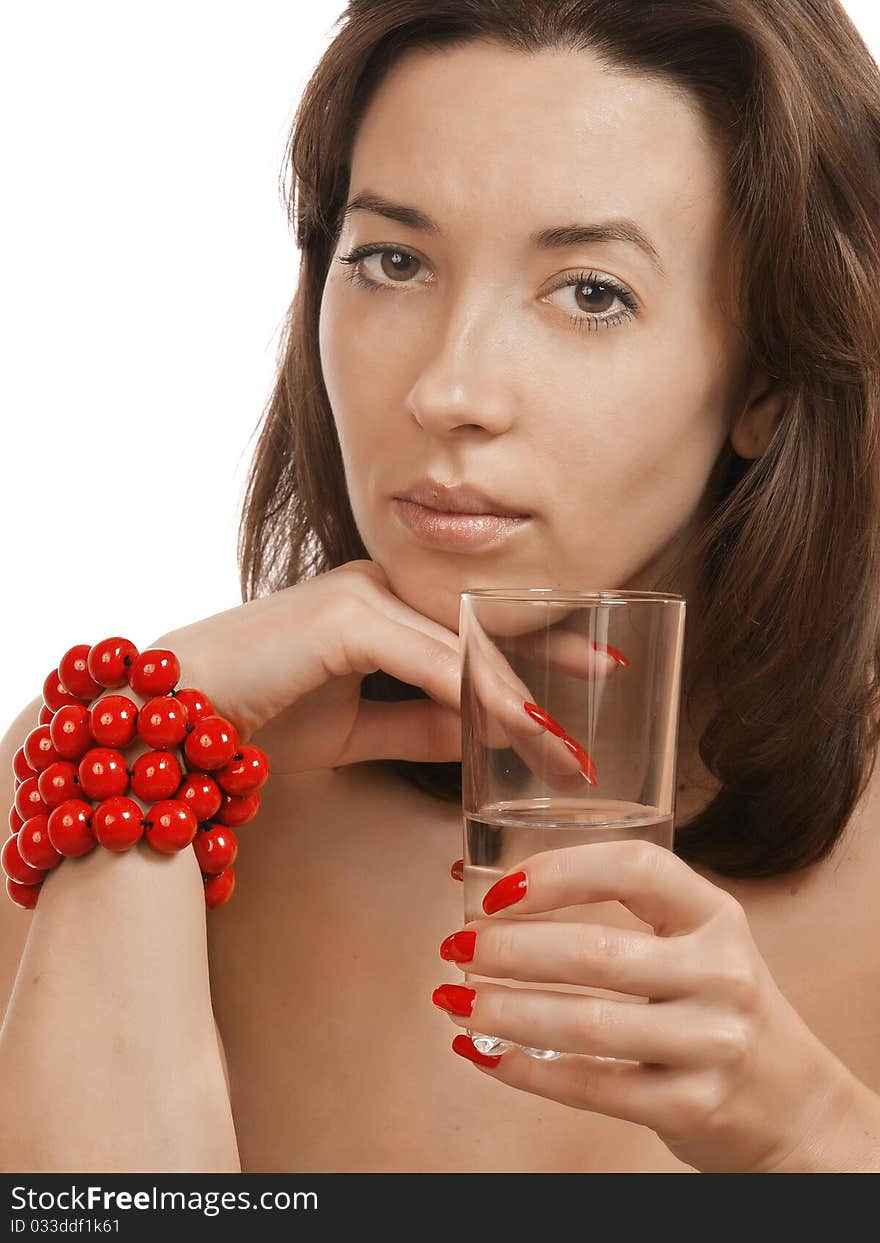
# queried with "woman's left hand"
point(718, 1063)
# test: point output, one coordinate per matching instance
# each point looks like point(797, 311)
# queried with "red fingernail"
point(505, 892)
point(456, 998)
point(543, 718)
point(459, 947)
point(464, 1046)
point(613, 652)
point(457, 870)
point(588, 768)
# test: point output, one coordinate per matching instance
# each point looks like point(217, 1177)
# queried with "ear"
point(753, 427)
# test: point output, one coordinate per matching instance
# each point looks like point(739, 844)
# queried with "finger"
point(457, 870)
point(627, 1090)
point(378, 642)
point(396, 609)
point(649, 880)
point(668, 1033)
point(413, 729)
point(622, 960)
point(504, 721)
point(566, 651)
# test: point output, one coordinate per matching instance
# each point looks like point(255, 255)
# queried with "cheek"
point(358, 368)
point(630, 463)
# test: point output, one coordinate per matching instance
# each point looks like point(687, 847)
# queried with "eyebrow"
point(614, 229)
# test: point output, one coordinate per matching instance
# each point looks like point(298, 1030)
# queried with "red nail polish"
point(464, 1046)
point(588, 768)
point(505, 892)
point(613, 652)
point(459, 947)
point(455, 998)
point(543, 718)
point(457, 870)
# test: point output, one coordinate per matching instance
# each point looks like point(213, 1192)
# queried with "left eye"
point(595, 297)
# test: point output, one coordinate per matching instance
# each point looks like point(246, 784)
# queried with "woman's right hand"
point(289, 666)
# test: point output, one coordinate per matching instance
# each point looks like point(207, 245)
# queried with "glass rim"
point(554, 594)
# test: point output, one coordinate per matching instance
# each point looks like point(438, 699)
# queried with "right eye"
point(395, 265)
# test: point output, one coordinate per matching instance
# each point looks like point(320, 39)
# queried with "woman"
point(702, 181)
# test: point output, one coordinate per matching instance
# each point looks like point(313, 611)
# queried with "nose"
point(467, 380)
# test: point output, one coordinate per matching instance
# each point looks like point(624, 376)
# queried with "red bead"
point(218, 889)
point(212, 743)
point(45, 716)
point(196, 702)
point(69, 829)
point(15, 867)
point(34, 845)
point(246, 771)
point(215, 848)
point(113, 720)
point(116, 823)
point(171, 827)
point(23, 895)
point(238, 809)
point(154, 672)
point(162, 722)
point(54, 694)
point(202, 796)
point(102, 773)
point(108, 662)
point(70, 732)
point(155, 775)
point(74, 673)
point(21, 767)
point(57, 783)
point(38, 749)
point(15, 820)
point(28, 801)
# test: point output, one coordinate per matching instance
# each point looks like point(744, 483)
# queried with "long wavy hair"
point(787, 559)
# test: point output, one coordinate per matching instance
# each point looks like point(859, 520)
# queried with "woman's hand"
point(718, 1063)
point(287, 669)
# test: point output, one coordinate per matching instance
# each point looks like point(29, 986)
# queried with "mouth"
point(455, 531)
point(461, 498)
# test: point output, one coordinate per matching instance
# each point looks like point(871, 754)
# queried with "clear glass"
point(524, 787)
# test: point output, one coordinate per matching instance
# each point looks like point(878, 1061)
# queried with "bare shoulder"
point(15, 922)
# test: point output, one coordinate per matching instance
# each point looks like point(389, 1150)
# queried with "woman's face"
point(587, 384)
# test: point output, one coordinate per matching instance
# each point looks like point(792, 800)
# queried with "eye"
point(595, 296)
point(395, 266)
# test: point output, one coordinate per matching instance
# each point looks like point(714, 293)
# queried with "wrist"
point(844, 1135)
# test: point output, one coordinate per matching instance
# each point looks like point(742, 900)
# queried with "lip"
point(460, 498)
point(455, 532)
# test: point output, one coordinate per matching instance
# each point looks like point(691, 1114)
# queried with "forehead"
point(488, 137)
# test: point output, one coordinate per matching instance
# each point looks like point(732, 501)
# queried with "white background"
point(146, 266)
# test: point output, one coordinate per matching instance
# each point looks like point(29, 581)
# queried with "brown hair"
point(787, 562)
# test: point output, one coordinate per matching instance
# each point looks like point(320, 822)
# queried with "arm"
point(110, 1059)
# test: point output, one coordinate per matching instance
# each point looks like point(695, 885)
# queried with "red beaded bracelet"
point(72, 782)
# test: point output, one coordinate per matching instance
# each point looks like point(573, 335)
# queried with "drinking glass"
point(606, 667)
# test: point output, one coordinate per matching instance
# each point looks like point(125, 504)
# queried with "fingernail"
point(505, 892)
point(543, 718)
point(455, 998)
point(459, 947)
point(457, 870)
point(613, 652)
point(588, 768)
point(464, 1047)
